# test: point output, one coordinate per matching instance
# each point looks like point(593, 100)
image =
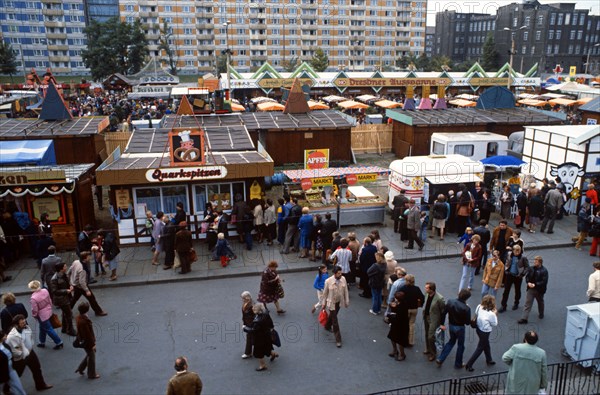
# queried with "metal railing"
point(564, 378)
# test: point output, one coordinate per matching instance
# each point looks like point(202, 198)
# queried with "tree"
point(319, 61)
point(423, 63)
point(164, 45)
point(438, 63)
point(222, 63)
point(405, 61)
point(114, 47)
point(489, 61)
point(8, 59)
point(290, 65)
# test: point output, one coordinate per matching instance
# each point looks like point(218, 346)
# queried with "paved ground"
point(149, 325)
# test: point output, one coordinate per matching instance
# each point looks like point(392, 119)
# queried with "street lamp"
point(228, 52)
point(512, 52)
point(588, 56)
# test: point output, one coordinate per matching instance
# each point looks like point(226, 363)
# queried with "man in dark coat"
point(399, 203)
point(483, 231)
point(451, 222)
point(329, 226)
point(366, 259)
point(48, 267)
point(537, 281)
point(84, 243)
point(522, 206)
point(168, 240)
point(183, 246)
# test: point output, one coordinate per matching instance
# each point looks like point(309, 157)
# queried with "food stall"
point(355, 195)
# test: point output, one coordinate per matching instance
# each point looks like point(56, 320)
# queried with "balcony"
point(54, 47)
point(205, 57)
point(204, 25)
point(54, 24)
point(258, 57)
point(258, 47)
point(148, 14)
point(54, 36)
point(56, 69)
point(52, 2)
point(61, 58)
point(52, 11)
point(205, 36)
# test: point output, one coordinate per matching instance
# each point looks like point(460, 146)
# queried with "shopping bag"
point(176, 262)
point(55, 321)
point(193, 256)
point(440, 335)
point(323, 317)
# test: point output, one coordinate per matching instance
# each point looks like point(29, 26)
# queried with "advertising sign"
point(174, 174)
point(186, 146)
point(316, 158)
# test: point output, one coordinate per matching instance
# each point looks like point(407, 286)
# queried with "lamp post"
point(587, 62)
point(512, 52)
point(228, 52)
point(23, 62)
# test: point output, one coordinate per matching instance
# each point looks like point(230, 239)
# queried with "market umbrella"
point(270, 106)
point(237, 107)
point(313, 105)
point(352, 105)
point(388, 104)
point(334, 99)
point(532, 102)
point(562, 102)
point(584, 100)
point(462, 103)
point(366, 98)
point(502, 162)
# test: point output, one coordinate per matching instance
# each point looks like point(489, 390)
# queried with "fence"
point(116, 139)
point(564, 378)
point(372, 138)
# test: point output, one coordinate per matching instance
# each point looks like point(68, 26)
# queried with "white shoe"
point(246, 356)
point(372, 312)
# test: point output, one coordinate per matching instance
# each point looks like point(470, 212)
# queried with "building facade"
point(547, 34)
point(100, 10)
point(429, 41)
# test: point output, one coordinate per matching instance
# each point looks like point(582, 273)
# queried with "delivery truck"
point(473, 145)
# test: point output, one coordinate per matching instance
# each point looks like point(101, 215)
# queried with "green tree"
point(290, 65)
point(222, 63)
point(423, 63)
point(405, 61)
point(8, 59)
point(319, 61)
point(489, 61)
point(163, 45)
point(114, 47)
point(438, 63)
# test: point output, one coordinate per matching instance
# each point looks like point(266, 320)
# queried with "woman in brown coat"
point(247, 319)
point(85, 335)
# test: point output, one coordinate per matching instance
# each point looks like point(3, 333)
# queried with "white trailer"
point(473, 145)
point(423, 176)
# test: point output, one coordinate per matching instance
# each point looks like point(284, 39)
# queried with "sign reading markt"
point(358, 82)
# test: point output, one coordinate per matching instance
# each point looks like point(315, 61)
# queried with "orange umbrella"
point(352, 105)
point(388, 104)
point(584, 100)
point(462, 103)
point(237, 107)
point(533, 102)
point(313, 105)
point(270, 106)
point(562, 102)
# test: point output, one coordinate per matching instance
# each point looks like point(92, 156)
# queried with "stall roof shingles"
point(264, 120)
point(469, 116)
point(28, 127)
point(71, 171)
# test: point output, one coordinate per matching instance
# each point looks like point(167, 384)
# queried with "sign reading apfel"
point(316, 159)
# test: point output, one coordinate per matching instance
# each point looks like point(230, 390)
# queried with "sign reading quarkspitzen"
point(177, 174)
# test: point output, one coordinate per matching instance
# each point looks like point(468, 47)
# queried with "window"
point(558, 34)
point(438, 148)
point(464, 149)
point(567, 19)
point(492, 149)
point(552, 19)
point(538, 35)
point(540, 21)
point(524, 49)
point(572, 34)
point(220, 195)
point(161, 198)
point(560, 19)
point(525, 36)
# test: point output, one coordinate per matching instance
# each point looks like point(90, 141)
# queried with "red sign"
point(558, 69)
point(316, 159)
point(351, 179)
point(306, 184)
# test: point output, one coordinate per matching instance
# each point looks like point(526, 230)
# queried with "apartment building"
point(460, 36)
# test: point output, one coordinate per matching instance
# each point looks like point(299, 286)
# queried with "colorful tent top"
point(388, 104)
point(584, 100)
point(27, 152)
point(313, 105)
point(569, 87)
point(462, 103)
point(532, 103)
point(466, 96)
point(552, 96)
point(335, 172)
point(334, 99)
point(352, 105)
point(528, 96)
point(366, 98)
point(496, 97)
point(237, 107)
point(270, 106)
point(562, 102)
point(262, 99)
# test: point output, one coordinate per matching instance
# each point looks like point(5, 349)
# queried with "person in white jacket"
point(20, 342)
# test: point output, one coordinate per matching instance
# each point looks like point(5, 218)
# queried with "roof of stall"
point(469, 116)
point(33, 127)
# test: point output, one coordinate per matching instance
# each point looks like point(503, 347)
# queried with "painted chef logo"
point(186, 151)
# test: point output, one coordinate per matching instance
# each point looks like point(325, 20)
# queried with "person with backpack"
point(110, 249)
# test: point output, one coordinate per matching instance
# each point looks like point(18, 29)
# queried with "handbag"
point(193, 255)
point(518, 220)
point(55, 321)
point(323, 317)
point(474, 319)
point(275, 338)
point(280, 291)
point(176, 261)
point(78, 343)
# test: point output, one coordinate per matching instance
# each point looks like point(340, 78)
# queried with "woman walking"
point(399, 329)
point(261, 328)
point(487, 317)
point(247, 319)
point(319, 284)
point(271, 289)
point(41, 310)
point(61, 296)
point(110, 249)
point(535, 207)
point(86, 337)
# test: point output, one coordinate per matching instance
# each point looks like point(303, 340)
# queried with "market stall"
point(350, 193)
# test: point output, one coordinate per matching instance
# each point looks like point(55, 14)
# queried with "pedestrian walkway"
point(135, 267)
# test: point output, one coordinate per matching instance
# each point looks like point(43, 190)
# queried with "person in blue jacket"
point(305, 224)
point(319, 284)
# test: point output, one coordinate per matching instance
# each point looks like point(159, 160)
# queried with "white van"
point(423, 176)
point(473, 145)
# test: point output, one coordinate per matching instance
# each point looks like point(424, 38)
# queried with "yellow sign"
point(316, 158)
point(322, 181)
point(377, 82)
point(476, 81)
point(122, 197)
point(572, 71)
point(49, 205)
point(368, 177)
point(283, 82)
point(32, 177)
point(255, 190)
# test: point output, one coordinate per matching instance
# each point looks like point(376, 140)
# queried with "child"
point(223, 250)
point(466, 238)
point(319, 284)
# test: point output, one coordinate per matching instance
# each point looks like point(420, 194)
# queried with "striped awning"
point(336, 172)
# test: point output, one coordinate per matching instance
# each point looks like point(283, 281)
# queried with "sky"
point(489, 7)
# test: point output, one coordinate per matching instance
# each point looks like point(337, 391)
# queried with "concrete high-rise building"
point(100, 10)
point(429, 40)
point(355, 34)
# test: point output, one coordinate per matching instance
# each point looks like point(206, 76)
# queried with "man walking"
point(537, 281)
point(78, 280)
point(292, 235)
point(183, 246)
point(500, 237)
point(593, 291)
point(459, 315)
point(84, 243)
point(335, 293)
point(553, 203)
point(329, 227)
point(515, 269)
point(493, 274)
point(48, 267)
point(433, 317)
point(366, 259)
point(413, 224)
point(399, 204)
point(184, 382)
point(527, 371)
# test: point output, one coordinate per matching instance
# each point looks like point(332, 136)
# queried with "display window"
point(220, 195)
point(162, 199)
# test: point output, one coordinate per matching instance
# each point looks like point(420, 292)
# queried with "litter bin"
point(582, 332)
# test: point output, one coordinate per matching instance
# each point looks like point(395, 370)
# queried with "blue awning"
point(27, 152)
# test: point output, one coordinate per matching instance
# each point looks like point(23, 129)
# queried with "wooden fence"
point(116, 139)
point(372, 138)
